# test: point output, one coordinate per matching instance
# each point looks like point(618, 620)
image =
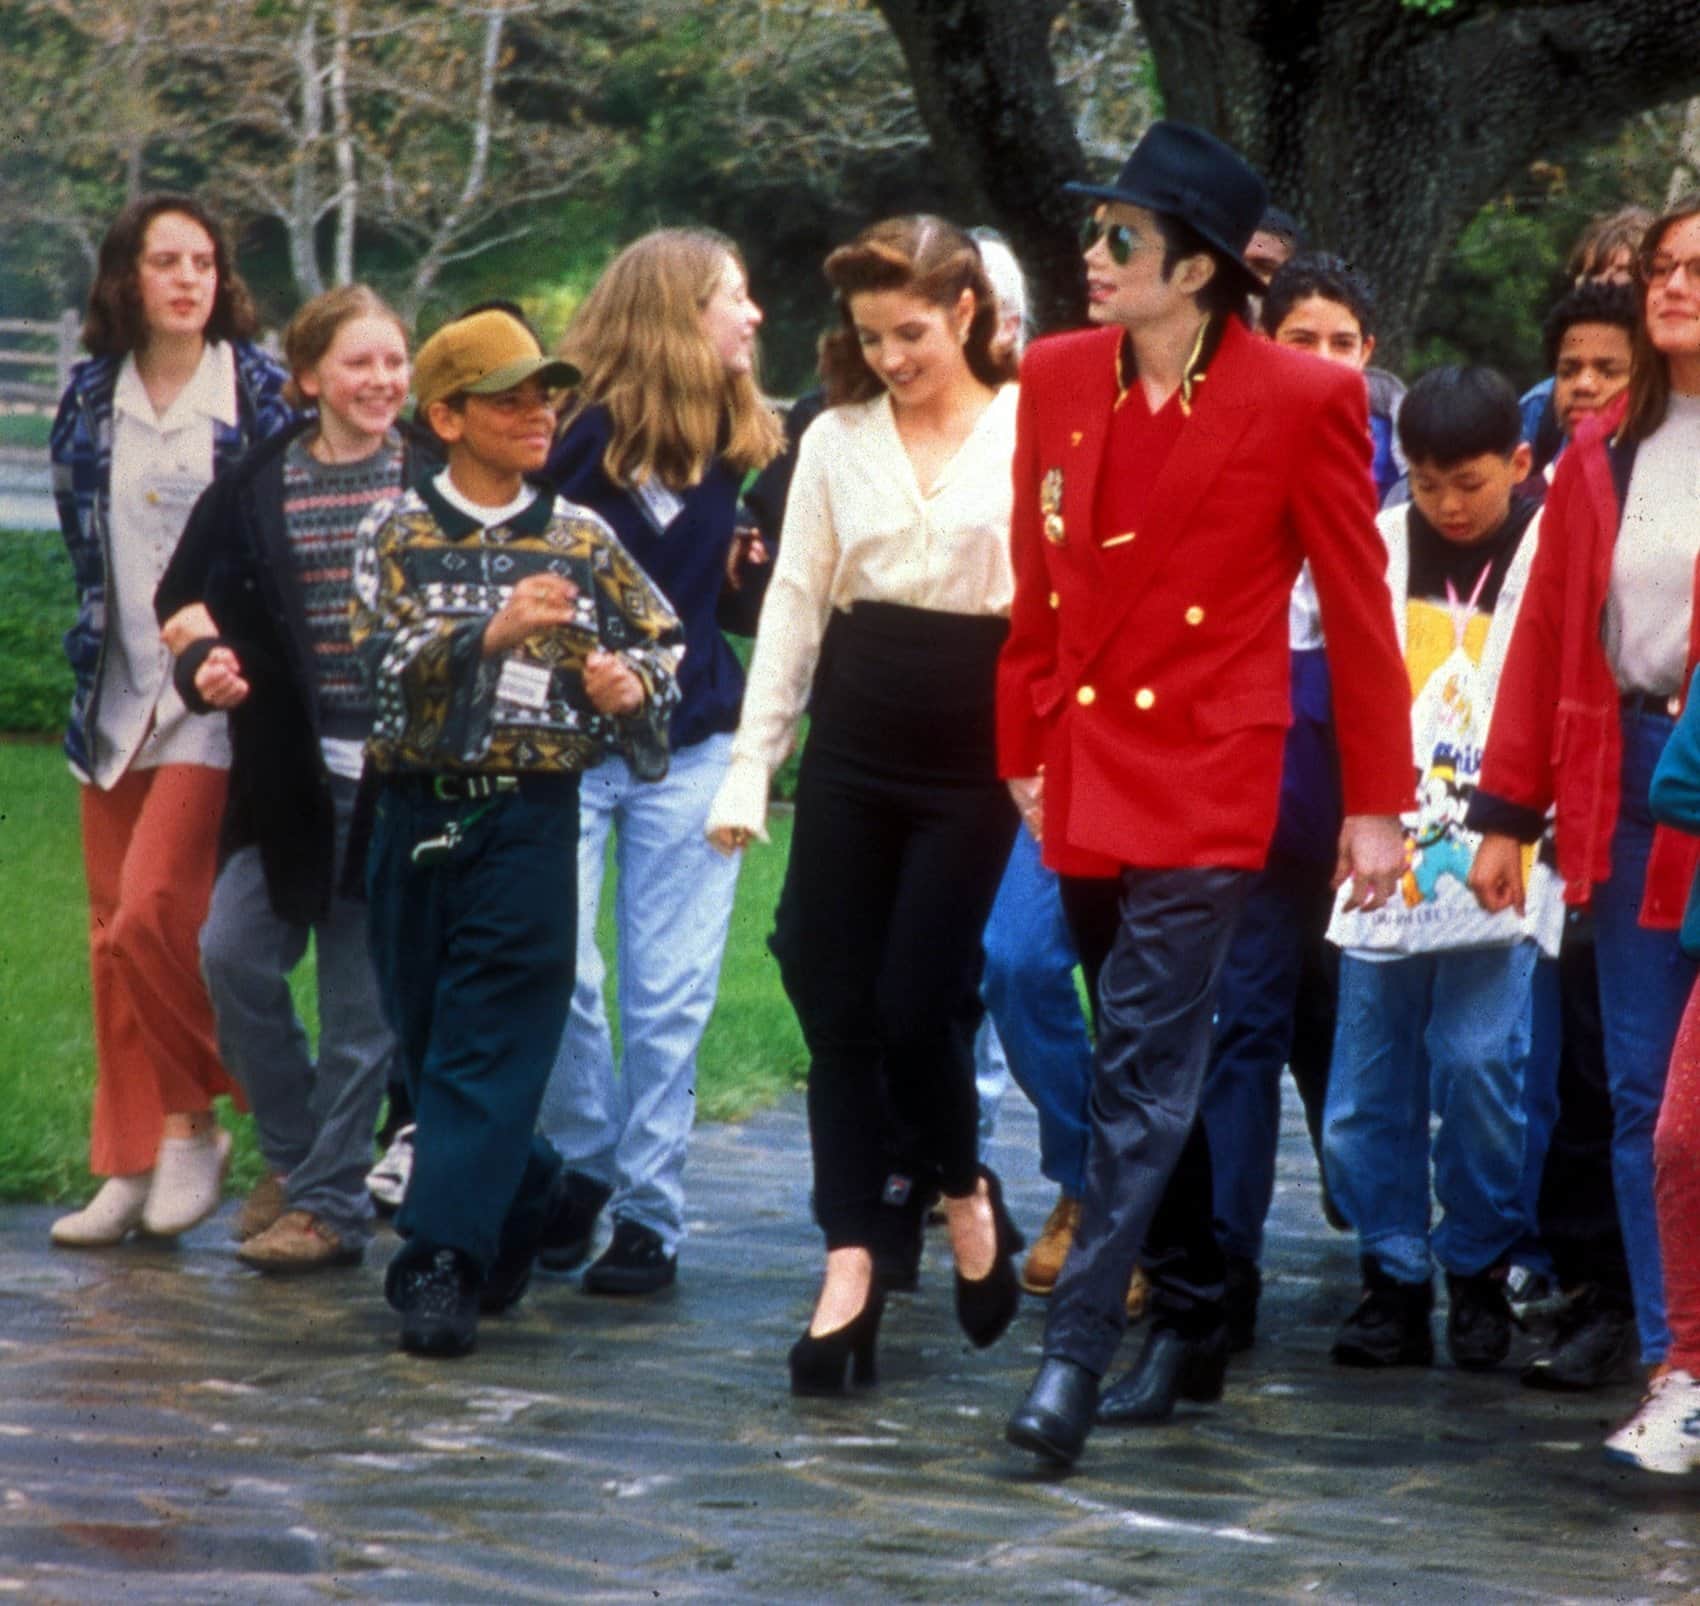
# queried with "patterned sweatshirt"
point(428, 579)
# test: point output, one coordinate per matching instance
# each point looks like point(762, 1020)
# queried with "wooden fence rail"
point(36, 356)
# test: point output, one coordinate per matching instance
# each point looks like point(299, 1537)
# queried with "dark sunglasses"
point(1118, 239)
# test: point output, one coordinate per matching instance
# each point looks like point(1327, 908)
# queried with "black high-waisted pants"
point(901, 836)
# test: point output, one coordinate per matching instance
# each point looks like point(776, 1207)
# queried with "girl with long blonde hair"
point(667, 421)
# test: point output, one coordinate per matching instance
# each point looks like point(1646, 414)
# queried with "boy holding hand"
point(510, 642)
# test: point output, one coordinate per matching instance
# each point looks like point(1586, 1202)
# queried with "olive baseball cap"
point(483, 355)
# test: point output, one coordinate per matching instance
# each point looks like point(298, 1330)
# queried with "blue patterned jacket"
point(81, 451)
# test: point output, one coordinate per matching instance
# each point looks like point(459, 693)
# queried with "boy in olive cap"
point(510, 642)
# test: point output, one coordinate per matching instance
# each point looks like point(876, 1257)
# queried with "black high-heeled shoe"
point(985, 1306)
point(818, 1365)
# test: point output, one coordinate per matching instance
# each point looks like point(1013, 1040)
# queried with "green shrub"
point(37, 606)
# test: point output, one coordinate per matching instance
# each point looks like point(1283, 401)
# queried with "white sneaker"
point(387, 1180)
point(188, 1182)
point(1664, 1435)
point(108, 1218)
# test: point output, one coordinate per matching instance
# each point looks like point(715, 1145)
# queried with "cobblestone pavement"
point(176, 1428)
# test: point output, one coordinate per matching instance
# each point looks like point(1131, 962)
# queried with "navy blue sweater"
point(687, 562)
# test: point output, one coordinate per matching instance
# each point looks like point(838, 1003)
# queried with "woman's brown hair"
point(113, 325)
point(1649, 371)
point(926, 257)
point(639, 342)
point(310, 332)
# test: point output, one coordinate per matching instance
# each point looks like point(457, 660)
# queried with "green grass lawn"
point(753, 1051)
point(26, 429)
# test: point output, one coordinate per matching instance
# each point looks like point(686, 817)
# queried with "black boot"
point(1172, 1366)
point(1390, 1326)
point(1057, 1414)
point(1593, 1344)
point(1478, 1321)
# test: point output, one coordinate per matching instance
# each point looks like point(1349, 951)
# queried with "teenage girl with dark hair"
point(173, 394)
point(891, 595)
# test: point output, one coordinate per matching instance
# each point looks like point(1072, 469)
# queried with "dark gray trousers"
point(1156, 1003)
point(314, 1117)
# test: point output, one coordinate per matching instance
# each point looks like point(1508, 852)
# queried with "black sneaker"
point(1593, 1344)
point(1478, 1322)
point(571, 1228)
point(1390, 1326)
point(634, 1263)
point(1242, 1288)
point(438, 1301)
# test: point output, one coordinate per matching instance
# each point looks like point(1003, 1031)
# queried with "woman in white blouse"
point(173, 392)
point(890, 599)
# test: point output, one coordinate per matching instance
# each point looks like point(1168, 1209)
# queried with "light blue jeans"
point(1444, 1034)
point(630, 1127)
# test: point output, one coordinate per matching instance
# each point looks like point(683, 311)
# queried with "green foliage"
point(37, 606)
point(25, 429)
point(1493, 290)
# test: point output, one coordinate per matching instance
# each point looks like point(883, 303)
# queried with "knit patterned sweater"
point(427, 581)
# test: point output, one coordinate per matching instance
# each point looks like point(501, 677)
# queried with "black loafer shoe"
point(635, 1262)
point(571, 1227)
point(1170, 1367)
point(1057, 1414)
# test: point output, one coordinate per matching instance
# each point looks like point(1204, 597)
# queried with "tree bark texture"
point(988, 94)
point(1384, 127)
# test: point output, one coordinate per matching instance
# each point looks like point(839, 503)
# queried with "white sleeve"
point(788, 639)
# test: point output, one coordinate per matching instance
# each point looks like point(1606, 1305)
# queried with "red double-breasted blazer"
point(1148, 680)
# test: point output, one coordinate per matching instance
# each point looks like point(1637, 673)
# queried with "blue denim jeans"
point(1444, 1034)
point(991, 1082)
point(1644, 986)
point(630, 1127)
point(1030, 997)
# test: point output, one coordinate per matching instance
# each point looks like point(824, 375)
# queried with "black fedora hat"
point(1191, 175)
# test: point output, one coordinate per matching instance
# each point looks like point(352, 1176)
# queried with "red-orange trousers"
point(1676, 1191)
point(150, 851)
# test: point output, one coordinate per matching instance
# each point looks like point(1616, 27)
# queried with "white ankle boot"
point(188, 1182)
point(108, 1217)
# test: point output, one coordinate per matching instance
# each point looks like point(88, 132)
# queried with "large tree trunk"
point(1383, 125)
point(988, 94)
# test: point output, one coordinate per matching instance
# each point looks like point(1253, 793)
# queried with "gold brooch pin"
point(1050, 505)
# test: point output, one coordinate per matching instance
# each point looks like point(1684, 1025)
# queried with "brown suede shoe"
point(1138, 1296)
point(1050, 1249)
point(297, 1242)
point(260, 1209)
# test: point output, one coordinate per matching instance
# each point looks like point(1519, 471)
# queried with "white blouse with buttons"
point(859, 529)
point(161, 462)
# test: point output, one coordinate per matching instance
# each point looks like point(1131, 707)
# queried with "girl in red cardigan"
point(1604, 647)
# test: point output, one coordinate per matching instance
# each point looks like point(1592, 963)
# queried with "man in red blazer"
point(1172, 473)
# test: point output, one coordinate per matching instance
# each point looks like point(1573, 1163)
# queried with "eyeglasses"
point(1660, 269)
point(1118, 238)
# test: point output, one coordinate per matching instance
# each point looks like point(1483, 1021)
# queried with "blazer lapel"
point(1222, 410)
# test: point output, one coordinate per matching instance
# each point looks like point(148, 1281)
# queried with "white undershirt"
point(488, 517)
point(1651, 601)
